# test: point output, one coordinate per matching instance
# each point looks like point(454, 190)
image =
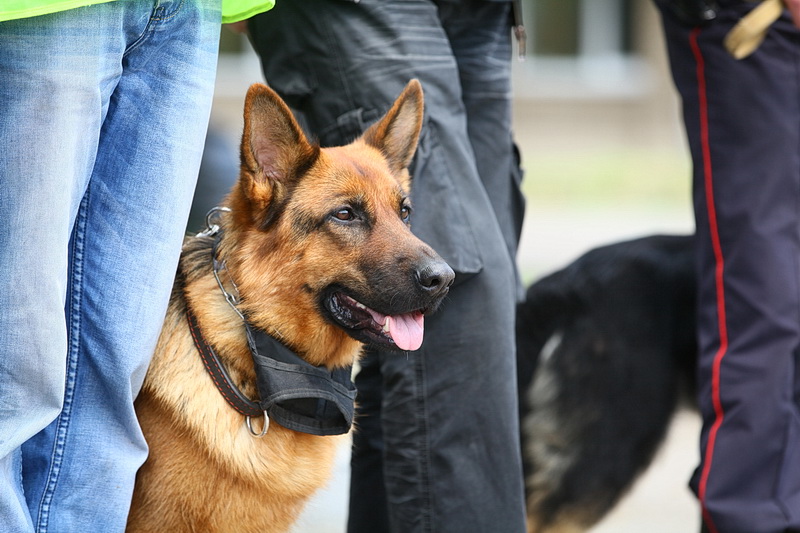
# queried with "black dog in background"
point(606, 349)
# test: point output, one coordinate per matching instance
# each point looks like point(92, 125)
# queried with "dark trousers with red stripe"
point(742, 122)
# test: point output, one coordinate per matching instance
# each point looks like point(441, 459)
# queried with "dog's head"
point(323, 251)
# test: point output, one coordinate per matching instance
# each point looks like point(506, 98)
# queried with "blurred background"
point(597, 121)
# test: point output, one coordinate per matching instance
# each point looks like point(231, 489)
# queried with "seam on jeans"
point(159, 16)
point(74, 327)
point(716, 399)
point(156, 16)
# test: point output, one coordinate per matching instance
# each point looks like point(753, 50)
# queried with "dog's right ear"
point(275, 151)
point(397, 133)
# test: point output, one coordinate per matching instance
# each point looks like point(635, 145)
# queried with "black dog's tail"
point(545, 311)
point(602, 348)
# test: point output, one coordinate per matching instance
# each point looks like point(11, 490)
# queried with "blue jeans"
point(103, 112)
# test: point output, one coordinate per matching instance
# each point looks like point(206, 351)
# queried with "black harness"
point(293, 393)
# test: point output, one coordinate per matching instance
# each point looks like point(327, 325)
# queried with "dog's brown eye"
point(405, 213)
point(344, 214)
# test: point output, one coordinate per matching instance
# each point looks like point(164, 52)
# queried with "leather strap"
point(241, 403)
point(749, 33)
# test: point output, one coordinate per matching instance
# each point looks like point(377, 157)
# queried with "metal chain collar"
point(232, 296)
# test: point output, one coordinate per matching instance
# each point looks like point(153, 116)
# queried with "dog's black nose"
point(436, 277)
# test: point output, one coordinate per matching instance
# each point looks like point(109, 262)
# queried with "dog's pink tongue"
point(406, 330)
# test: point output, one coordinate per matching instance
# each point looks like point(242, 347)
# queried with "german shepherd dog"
point(606, 349)
point(318, 246)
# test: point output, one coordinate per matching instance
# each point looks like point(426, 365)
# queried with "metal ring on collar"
point(212, 228)
point(264, 428)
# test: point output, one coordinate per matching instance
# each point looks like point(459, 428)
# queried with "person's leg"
point(369, 494)
point(451, 445)
point(154, 99)
point(742, 121)
point(449, 418)
point(470, 371)
point(53, 106)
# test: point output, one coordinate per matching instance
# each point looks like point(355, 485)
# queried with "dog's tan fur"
point(205, 472)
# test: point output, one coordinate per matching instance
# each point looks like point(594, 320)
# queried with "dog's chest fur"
point(269, 478)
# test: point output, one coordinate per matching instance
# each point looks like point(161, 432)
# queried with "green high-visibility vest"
point(232, 10)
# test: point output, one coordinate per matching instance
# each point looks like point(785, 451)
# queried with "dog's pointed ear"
point(397, 133)
point(275, 151)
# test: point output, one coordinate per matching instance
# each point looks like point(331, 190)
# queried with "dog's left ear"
point(274, 148)
point(397, 133)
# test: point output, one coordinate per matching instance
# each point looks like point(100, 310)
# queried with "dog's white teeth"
point(385, 327)
point(360, 305)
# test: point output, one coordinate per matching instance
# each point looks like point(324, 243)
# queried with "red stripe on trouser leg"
point(718, 275)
